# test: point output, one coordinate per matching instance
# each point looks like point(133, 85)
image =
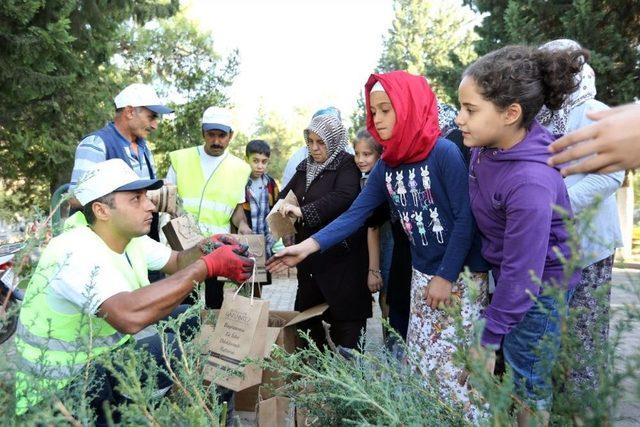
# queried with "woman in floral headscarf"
point(595, 194)
point(326, 184)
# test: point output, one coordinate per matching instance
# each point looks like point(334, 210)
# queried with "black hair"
point(527, 76)
point(258, 146)
point(87, 209)
point(363, 134)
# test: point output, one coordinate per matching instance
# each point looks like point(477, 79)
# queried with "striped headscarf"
point(330, 129)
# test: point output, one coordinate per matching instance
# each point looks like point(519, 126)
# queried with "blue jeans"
point(104, 386)
point(531, 349)
point(386, 253)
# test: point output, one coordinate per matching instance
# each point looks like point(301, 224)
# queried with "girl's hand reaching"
point(437, 292)
point(291, 256)
point(374, 281)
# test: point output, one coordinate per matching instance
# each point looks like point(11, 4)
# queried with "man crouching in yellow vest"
point(90, 291)
point(211, 182)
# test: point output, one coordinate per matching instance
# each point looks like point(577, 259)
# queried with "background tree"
point(610, 30)
point(284, 135)
point(63, 61)
point(56, 82)
point(429, 38)
point(181, 62)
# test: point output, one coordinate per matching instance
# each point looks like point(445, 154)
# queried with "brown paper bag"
point(182, 233)
point(276, 412)
point(279, 225)
point(166, 199)
point(257, 250)
point(240, 333)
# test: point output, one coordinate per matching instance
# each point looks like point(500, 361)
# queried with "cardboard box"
point(282, 331)
point(182, 233)
point(276, 412)
point(303, 419)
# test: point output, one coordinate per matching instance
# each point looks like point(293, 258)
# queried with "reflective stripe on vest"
point(211, 200)
point(193, 204)
point(53, 346)
point(51, 372)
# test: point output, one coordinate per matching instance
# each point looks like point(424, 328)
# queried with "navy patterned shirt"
point(431, 200)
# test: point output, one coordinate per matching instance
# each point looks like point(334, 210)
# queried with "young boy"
point(261, 191)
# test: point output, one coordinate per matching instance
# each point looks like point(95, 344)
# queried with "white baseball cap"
point(141, 95)
point(216, 118)
point(110, 176)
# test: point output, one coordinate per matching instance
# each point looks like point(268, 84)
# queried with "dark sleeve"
point(283, 193)
point(454, 175)
point(372, 195)
point(455, 136)
point(380, 215)
point(246, 206)
point(337, 200)
point(276, 190)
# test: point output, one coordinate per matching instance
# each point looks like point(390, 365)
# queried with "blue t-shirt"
point(430, 198)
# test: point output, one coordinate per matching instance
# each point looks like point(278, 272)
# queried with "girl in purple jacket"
point(513, 194)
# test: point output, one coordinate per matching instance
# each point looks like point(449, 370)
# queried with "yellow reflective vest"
point(211, 200)
point(54, 347)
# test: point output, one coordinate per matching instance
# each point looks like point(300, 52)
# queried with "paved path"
point(622, 293)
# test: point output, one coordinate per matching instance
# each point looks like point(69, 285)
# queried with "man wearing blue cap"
point(90, 292)
point(211, 183)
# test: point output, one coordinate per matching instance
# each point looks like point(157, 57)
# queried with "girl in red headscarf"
point(424, 178)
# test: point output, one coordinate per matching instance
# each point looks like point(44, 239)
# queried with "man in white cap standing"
point(138, 109)
point(211, 182)
point(90, 291)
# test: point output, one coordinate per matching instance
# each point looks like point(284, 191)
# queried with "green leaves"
point(611, 31)
point(433, 39)
point(429, 38)
point(64, 61)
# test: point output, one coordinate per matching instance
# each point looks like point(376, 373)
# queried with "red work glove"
point(224, 239)
point(225, 261)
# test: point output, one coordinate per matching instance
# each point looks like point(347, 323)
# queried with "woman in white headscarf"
point(593, 195)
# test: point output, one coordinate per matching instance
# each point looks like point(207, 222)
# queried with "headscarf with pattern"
point(446, 118)
point(330, 129)
point(556, 120)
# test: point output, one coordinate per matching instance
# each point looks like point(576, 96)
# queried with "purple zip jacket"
point(513, 193)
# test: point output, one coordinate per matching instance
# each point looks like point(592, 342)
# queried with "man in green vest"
point(211, 182)
point(90, 292)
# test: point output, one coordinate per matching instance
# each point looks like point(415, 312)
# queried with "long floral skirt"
point(591, 302)
point(432, 338)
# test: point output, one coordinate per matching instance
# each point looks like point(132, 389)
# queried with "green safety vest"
point(54, 347)
point(211, 200)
